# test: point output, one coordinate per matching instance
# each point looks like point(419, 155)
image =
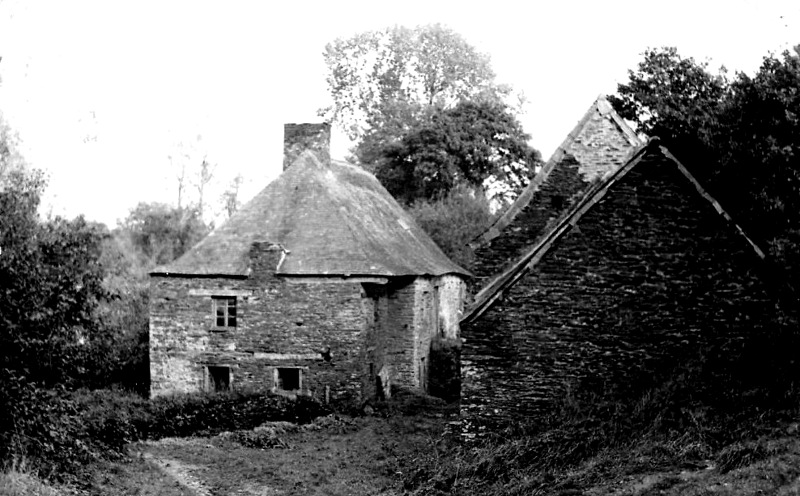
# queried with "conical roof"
point(333, 219)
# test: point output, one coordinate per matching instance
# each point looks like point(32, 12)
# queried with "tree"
point(678, 100)
point(10, 158)
point(161, 233)
point(469, 143)
point(50, 286)
point(230, 197)
point(381, 81)
point(453, 220)
point(204, 176)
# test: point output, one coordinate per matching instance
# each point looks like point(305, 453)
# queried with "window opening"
point(225, 311)
point(219, 378)
point(289, 379)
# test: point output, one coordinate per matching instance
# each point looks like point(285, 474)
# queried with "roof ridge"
point(600, 105)
point(495, 287)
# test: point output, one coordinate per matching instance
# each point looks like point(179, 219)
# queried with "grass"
point(20, 480)
point(336, 455)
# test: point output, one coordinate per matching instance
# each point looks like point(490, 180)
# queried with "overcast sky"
point(103, 93)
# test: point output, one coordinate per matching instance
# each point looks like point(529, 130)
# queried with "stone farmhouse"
point(620, 277)
point(321, 285)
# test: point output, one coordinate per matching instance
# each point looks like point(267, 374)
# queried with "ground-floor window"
point(288, 379)
point(219, 378)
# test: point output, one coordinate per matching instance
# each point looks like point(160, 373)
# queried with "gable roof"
point(600, 142)
point(331, 220)
point(496, 286)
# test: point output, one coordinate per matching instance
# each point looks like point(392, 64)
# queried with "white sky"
point(141, 78)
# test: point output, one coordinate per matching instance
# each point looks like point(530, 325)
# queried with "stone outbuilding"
point(641, 271)
point(321, 285)
point(600, 143)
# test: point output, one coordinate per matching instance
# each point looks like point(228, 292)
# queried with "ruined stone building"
point(321, 285)
point(604, 282)
point(600, 143)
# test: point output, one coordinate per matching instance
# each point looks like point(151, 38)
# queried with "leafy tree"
point(382, 78)
point(161, 233)
point(454, 220)
point(467, 144)
point(50, 286)
point(678, 100)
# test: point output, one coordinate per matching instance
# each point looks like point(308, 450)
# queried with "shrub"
point(61, 433)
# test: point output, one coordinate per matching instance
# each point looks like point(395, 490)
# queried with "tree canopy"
point(381, 79)
point(469, 143)
point(425, 111)
point(161, 233)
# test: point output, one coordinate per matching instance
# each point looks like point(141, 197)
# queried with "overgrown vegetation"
point(62, 433)
point(587, 440)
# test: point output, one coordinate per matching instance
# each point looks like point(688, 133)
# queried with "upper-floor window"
point(224, 311)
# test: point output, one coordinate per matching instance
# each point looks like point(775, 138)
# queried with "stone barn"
point(642, 271)
point(601, 142)
point(321, 285)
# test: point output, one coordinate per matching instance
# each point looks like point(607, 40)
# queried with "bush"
point(61, 433)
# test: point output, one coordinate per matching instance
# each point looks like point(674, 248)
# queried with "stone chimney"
point(298, 138)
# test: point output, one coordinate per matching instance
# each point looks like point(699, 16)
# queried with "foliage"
point(469, 143)
point(162, 233)
point(454, 220)
point(740, 137)
point(60, 433)
point(50, 286)
point(10, 158)
point(384, 79)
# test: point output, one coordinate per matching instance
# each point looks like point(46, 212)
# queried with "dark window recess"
point(225, 311)
point(289, 379)
point(219, 378)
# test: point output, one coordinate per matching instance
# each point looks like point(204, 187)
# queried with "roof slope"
point(651, 151)
point(601, 142)
point(332, 219)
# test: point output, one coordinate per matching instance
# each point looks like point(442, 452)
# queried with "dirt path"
point(334, 456)
point(180, 472)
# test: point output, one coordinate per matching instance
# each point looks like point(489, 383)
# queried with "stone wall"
point(646, 280)
point(319, 327)
point(598, 148)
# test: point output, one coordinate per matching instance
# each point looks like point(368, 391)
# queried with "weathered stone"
point(644, 280)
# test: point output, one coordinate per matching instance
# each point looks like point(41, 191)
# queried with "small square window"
point(219, 378)
point(224, 311)
point(288, 379)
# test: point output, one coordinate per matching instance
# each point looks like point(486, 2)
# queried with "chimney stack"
point(298, 138)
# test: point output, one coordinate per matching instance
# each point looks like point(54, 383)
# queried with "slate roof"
point(332, 219)
point(652, 150)
point(600, 142)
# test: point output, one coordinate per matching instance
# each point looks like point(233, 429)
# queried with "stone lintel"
point(220, 292)
point(287, 356)
point(348, 280)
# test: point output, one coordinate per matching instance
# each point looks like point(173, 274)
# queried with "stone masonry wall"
point(398, 340)
point(452, 291)
point(647, 279)
point(317, 326)
point(598, 148)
